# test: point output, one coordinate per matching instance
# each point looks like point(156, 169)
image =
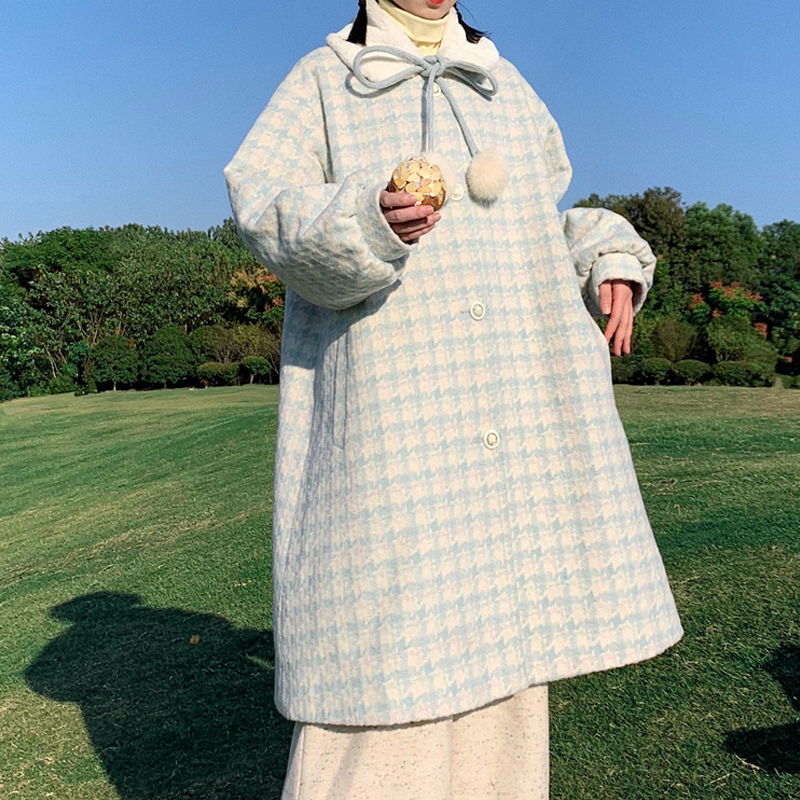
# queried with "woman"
point(457, 517)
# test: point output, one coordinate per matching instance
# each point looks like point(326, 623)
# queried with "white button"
point(436, 88)
point(458, 192)
point(477, 311)
point(491, 439)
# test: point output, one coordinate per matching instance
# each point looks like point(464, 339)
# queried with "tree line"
point(92, 309)
point(144, 307)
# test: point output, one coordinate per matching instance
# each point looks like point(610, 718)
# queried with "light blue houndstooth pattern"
point(419, 572)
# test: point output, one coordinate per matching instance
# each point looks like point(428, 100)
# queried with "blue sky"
point(115, 112)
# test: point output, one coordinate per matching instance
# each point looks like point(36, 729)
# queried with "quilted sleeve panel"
point(328, 241)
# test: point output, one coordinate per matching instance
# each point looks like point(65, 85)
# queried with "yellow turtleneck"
point(426, 34)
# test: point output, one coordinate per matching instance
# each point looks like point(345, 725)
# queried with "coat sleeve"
point(603, 245)
point(329, 242)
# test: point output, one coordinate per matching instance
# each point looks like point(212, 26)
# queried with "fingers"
point(411, 231)
point(408, 221)
point(412, 237)
point(616, 309)
point(407, 214)
point(605, 297)
point(396, 199)
point(620, 322)
point(626, 345)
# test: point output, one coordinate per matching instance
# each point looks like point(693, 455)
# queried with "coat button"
point(477, 311)
point(436, 88)
point(457, 193)
point(491, 439)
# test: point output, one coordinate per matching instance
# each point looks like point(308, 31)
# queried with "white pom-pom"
point(487, 176)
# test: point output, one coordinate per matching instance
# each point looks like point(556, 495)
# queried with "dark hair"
point(358, 33)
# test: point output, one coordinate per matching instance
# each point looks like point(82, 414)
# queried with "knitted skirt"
point(499, 751)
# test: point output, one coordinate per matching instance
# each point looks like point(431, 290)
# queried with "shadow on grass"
point(777, 749)
point(177, 704)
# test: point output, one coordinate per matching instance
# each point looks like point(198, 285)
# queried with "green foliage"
point(780, 284)
point(256, 367)
point(61, 250)
point(673, 339)
point(215, 373)
point(734, 339)
point(655, 370)
point(62, 384)
point(218, 343)
point(642, 343)
point(63, 291)
point(741, 373)
point(207, 342)
point(690, 371)
point(114, 360)
point(167, 358)
point(20, 352)
point(625, 369)
point(721, 244)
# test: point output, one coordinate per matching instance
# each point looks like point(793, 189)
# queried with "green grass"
point(134, 603)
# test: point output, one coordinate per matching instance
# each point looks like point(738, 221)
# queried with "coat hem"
point(456, 706)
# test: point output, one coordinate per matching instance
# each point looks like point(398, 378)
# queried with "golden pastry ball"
point(422, 179)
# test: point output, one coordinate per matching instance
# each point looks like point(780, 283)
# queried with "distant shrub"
point(256, 367)
point(673, 339)
point(655, 370)
point(167, 358)
point(225, 345)
point(215, 373)
point(691, 372)
point(624, 369)
point(207, 342)
point(114, 360)
point(61, 384)
point(735, 339)
point(8, 389)
point(642, 338)
point(741, 373)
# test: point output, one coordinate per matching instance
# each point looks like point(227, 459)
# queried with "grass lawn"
point(134, 603)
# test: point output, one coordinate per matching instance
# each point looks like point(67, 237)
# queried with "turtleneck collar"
point(383, 30)
point(426, 34)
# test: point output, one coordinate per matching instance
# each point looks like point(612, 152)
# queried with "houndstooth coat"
point(457, 515)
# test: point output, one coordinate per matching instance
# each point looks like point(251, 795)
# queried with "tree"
point(780, 286)
point(167, 358)
point(115, 360)
point(722, 244)
point(60, 250)
point(19, 352)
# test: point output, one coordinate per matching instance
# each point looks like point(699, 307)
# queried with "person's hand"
point(408, 221)
point(616, 299)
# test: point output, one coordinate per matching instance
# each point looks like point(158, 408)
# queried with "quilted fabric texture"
point(457, 516)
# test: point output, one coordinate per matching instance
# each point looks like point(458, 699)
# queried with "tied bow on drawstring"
point(487, 174)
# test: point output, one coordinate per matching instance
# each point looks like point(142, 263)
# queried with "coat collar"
point(383, 30)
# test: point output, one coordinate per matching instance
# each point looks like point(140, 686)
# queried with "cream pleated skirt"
point(498, 751)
